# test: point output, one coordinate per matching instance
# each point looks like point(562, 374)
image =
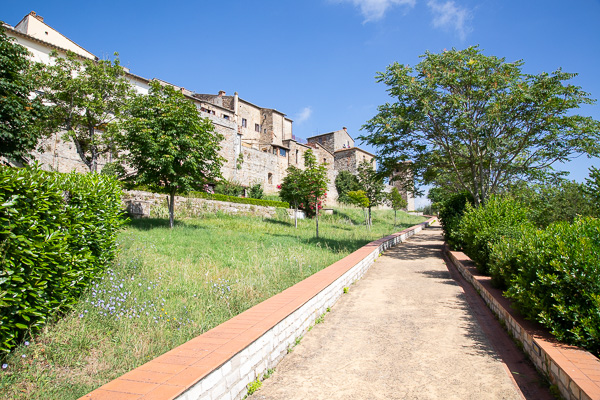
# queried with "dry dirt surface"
point(404, 331)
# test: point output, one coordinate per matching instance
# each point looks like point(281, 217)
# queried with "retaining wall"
point(575, 372)
point(220, 363)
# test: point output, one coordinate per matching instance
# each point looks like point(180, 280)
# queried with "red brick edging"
point(220, 363)
point(573, 370)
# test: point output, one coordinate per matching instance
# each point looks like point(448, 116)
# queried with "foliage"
point(256, 191)
point(477, 123)
point(372, 184)
point(480, 228)
point(87, 97)
point(396, 201)
point(592, 189)
point(240, 200)
point(57, 232)
point(314, 184)
point(553, 276)
point(345, 182)
point(452, 209)
point(18, 113)
point(171, 148)
point(229, 188)
point(562, 201)
point(359, 198)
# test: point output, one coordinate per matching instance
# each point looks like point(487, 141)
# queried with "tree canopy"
point(170, 147)
point(86, 98)
point(345, 182)
point(372, 184)
point(477, 123)
point(19, 110)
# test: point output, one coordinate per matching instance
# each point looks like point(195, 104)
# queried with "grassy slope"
point(169, 286)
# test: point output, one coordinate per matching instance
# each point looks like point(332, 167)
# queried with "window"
point(226, 116)
point(282, 152)
point(257, 127)
point(275, 150)
point(296, 156)
point(265, 130)
point(270, 178)
point(244, 123)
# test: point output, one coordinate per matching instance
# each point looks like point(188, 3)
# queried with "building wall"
point(253, 116)
point(327, 141)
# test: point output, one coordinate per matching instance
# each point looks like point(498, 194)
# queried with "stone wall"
point(141, 204)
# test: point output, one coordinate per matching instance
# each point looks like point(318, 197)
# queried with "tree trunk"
point(370, 216)
point(395, 218)
point(171, 204)
point(317, 216)
point(296, 215)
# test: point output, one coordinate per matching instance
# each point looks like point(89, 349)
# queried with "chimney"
point(221, 93)
point(38, 17)
point(345, 130)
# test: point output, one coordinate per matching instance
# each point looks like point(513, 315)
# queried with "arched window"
point(270, 178)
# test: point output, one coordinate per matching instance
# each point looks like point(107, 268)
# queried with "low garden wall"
point(140, 204)
point(574, 372)
point(220, 363)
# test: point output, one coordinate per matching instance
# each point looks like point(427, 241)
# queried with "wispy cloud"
point(450, 16)
point(374, 10)
point(303, 115)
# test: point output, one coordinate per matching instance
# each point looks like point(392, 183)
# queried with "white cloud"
point(450, 16)
point(374, 10)
point(303, 115)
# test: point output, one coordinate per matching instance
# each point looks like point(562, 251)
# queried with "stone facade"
point(258, 144)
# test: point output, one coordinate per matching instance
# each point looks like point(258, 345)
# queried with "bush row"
point(552, 274)
point(241, 200)
point(57, 232)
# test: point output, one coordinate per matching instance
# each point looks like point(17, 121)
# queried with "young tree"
point(291, 189)
point(18, 111)
point(372, 184)
point(171, 148)
point(359, 199)
point(396, 201)
point(592, 189)
point(345, 182)
point(86, 98)
point(314, 182)
point(478, 123)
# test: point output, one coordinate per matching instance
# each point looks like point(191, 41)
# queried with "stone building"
point(258, 144)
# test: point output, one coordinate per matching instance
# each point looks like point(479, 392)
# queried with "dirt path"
point(404, 331)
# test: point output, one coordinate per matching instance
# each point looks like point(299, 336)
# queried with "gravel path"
point(404, 331)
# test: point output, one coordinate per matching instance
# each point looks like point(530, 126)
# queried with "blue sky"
point(315, 60)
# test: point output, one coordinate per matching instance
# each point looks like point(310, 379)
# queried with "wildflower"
point(4, 366)
point(26, 343)
point(24, 355)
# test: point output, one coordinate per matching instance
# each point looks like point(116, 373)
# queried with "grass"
point(169, 286)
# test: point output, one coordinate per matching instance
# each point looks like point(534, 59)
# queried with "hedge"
point(480, 228)
point(553, 276)
point(57, 232)
point(241, 200)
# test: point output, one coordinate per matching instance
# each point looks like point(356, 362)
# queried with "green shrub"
point(481, 227)
point(256, 191)
point(451, 211)
point(57, 232)
point(229, 188)
point(240, 200)
point(553, 275)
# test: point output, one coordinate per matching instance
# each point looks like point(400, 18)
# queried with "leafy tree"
point(291, 189)
point(314, 182)
point(345, 182)
point(359, 199)
point(18, 113)
point(592, 188)
point(306, 188)
point(87, 97)
point(171, 148)
point(478, 123)
point(372, 184)
point(561, 201)
point(256, 191)
point(396, 201)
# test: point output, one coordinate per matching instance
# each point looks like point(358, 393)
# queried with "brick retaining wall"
point(575, 372)
point(220, 363)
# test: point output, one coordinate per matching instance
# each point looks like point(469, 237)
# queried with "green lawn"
point(169, 286)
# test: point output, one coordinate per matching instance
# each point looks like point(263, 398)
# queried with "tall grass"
point(169, 286)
